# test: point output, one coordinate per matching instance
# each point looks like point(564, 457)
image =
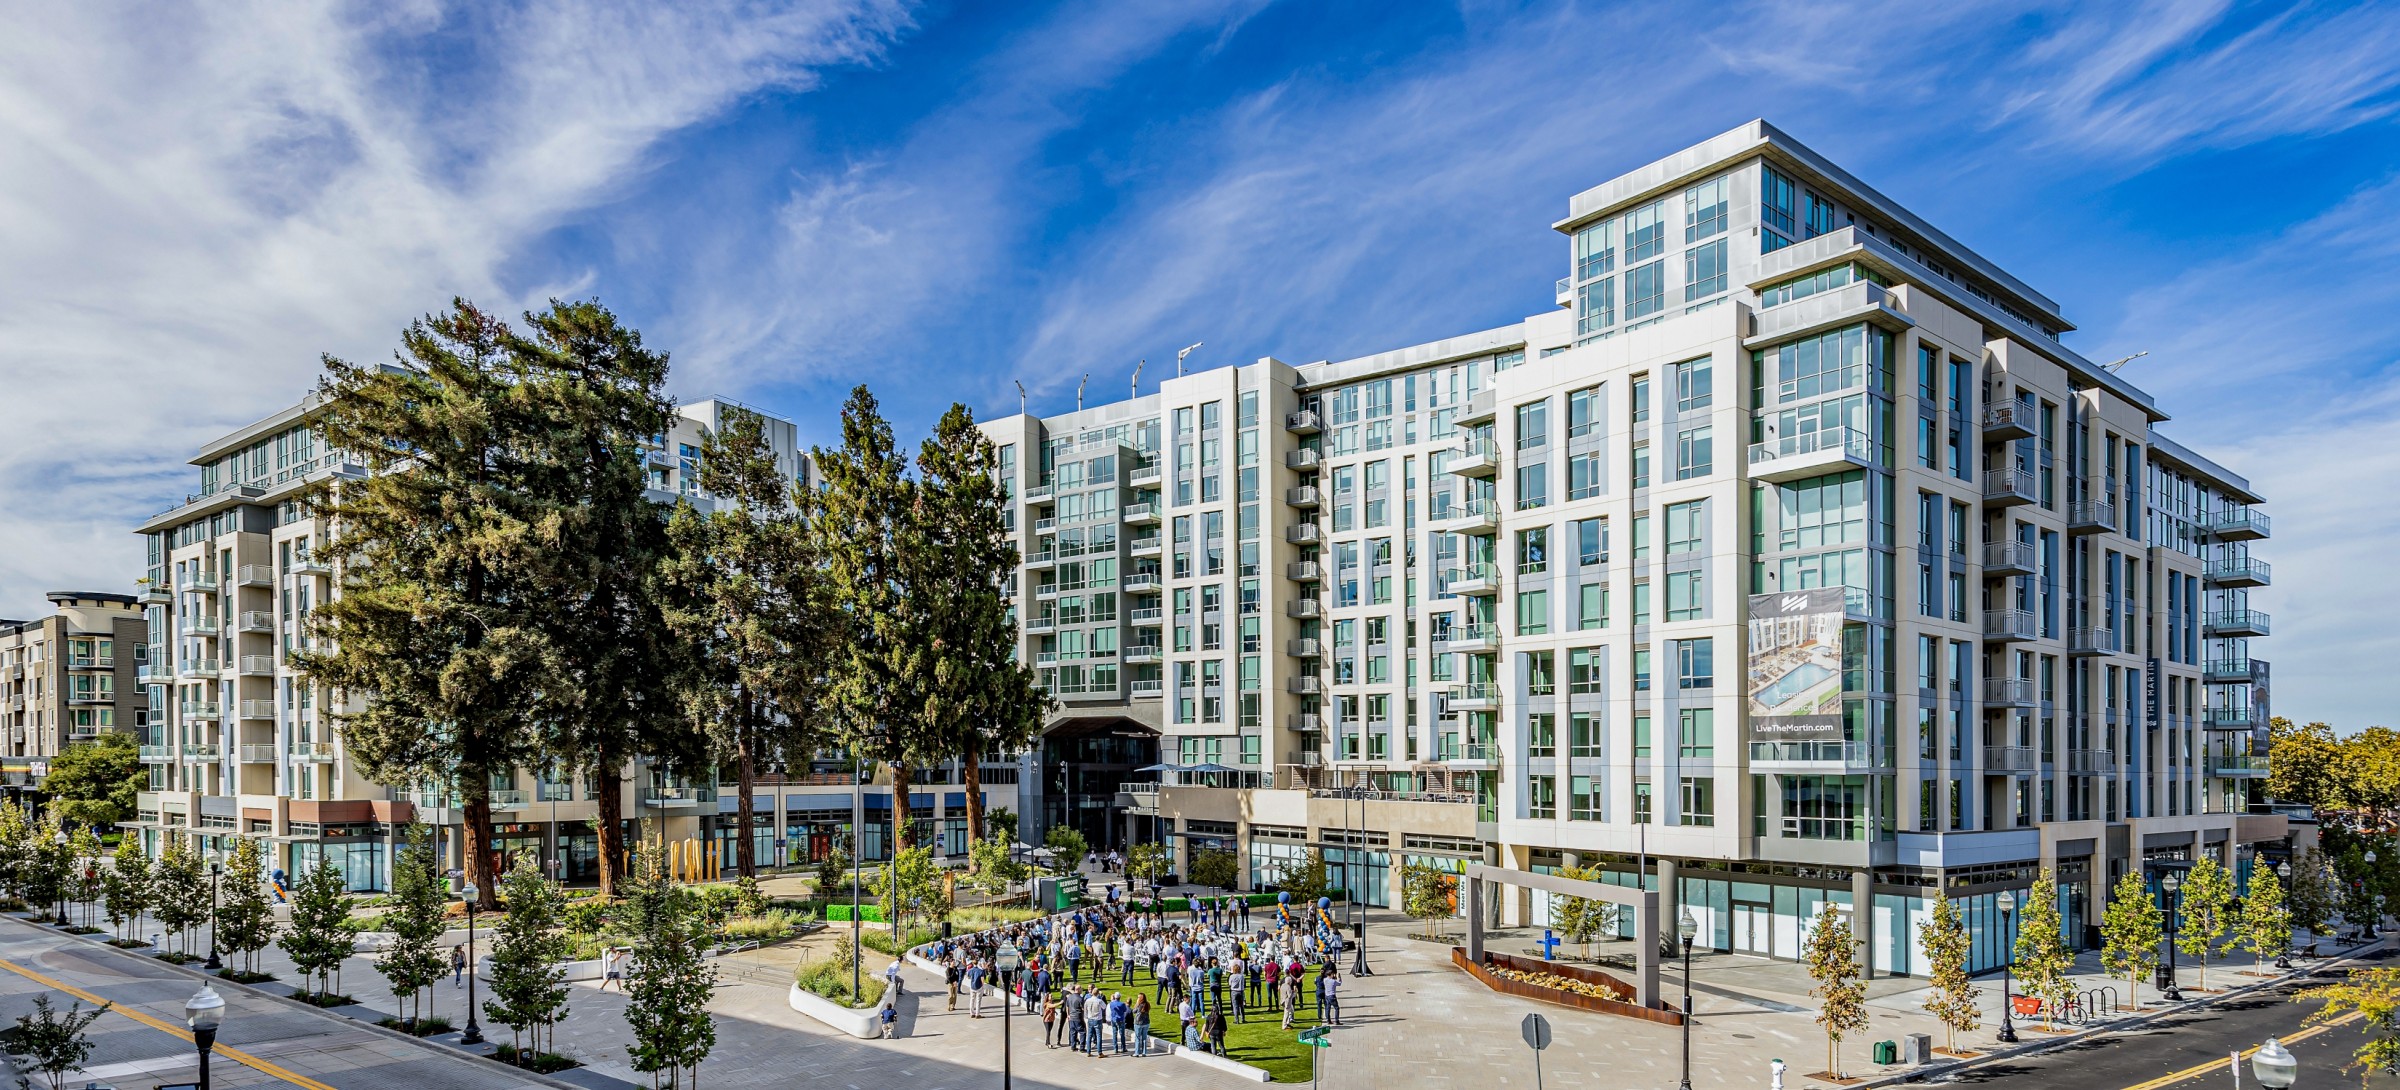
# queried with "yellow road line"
point(164, 1026)
point(2201, 1069)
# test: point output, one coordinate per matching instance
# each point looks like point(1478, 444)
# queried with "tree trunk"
point(972, 764)
point(903, 834)
point(477, 839)
point(609, 778)
point(745, 775)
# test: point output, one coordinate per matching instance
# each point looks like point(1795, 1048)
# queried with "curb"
point(2051, 1044)
point(437, 1048)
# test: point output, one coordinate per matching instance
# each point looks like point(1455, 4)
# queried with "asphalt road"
point(2164, 1054)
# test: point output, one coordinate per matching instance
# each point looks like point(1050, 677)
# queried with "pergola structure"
point(1643, 901)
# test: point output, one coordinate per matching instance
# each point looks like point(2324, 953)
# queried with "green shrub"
point(829, 978)
point(880, 939)
point(841, 913)
point(768, 926)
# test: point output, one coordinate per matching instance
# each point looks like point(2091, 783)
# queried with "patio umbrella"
point(1210, 766)
point(1160, 767)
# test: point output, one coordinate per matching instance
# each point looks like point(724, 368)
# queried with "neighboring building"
point(1507, 582)
point(239, 742)
point(67, 678)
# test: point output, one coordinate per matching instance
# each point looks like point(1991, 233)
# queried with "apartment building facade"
point(66, 678)
point(1791, 558)
point(240, 742)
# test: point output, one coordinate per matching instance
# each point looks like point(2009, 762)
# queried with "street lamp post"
point(2168, 888)
point(474, 1033)
point(1688, 929)
point(2274, 1065)
point(2283, 872)
point(202, 1012)
point(858, 821)
point(2369, 933)
point(1007, 960)
point(2008, 925)
point(216, 874)
point(1358, 930)
point(64, 876)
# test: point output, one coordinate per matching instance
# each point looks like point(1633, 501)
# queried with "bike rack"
point(2092, 996)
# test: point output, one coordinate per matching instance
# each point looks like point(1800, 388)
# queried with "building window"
point(1695, 664)
point(1533, 424)
point(1685, 526)
point(1645, 290)
point(1584, 671)
point(1541, 735)
point(1591, 541)
point(1703, 271)
point(1541, 673)
point(1533, 485)
point(1533, 612)
point(1583, 411)
point(1704, 211)
point(1684, 596)
point(1541, 796)
point(1697, 734)
point(1586, 738)
point(1591, 606)
point(1584, 798)
point(1533, 551)
point(1584, 476)
point(1695, 385)
point(1646, 232)
point(1699, 801)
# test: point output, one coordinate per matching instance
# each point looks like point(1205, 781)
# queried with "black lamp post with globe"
point(1687, 929)
point(2170, 887)
point(2007, 902)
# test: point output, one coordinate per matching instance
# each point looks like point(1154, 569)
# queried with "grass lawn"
point(1261, 1042)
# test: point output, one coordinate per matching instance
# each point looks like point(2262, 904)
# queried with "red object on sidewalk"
point(2026, 1005)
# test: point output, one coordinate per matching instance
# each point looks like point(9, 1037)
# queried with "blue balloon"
point(1283, 898)
point(1324, 902)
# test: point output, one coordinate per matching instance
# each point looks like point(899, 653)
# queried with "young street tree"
point(2044, 962)
point(52, 1044)
point(597, 397)
point(86, 884)
point(445, 623)
point(910, 888)
point(1832, 959)
point(1215, 868)
point(2266, 924)
point(2204, 907)
point(180, 890)
point(1953, 998)
point(668, 986)
point(1067, 848)
point(413, 960)
point(963, 561)
point(319, 936)
point(2311, 895)
point(245, 920)
point(127, 887)
point(1580, 920)
point(866, 530)
point(2131, 929)
point(1308, 881)
point(1151, 862)
point(750, 605)
point(529, 981)
point(1425, 895)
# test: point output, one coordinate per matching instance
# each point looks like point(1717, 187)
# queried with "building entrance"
point(1083, 761)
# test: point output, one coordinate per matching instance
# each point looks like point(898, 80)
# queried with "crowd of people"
point(1096, 975)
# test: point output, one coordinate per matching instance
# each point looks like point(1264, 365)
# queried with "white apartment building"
point(1496, 597)
point(67, 678)
point(239, 742)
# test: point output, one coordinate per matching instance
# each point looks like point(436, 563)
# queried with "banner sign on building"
point(2261, 707)
point(1795, 666)
point(2150, 693)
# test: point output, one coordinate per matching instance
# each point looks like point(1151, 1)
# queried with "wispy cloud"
point(198, 201)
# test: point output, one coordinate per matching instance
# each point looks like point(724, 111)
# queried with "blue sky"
point(942, 200)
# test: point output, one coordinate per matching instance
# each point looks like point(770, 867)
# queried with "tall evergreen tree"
point(444, 625)
point(979, 689)
point(2131, 928)
point(596, 395)
point(748, 602)
point(867, 530)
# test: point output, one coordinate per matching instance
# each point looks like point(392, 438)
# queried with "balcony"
point(158, 755)
point(254, 575)
point(204, 582)
point(510, 799)
point(2236, 671)
point(1146, 616)
point(203, 751)
point(1302, 496)
point(1305, 571)
point(1810, 454)
point(1481, 408)
point(1475, 696)
point(198, 668)
point(1037, 493)
point(1303, 458)
point(2007, 692)
point(258, 709)
point(2242, 719)
point(2006, 423)
point(1303, 533)
point(311, 566)
point(2008, 558)
point(1305, 685)
point(2092, 641)
point(199, 624)
point(2010, 487)
point(258, 755)
point(2239, 571)
point(2236, 524)
point(1475, 580)
point(1304, 722)
point(1469, 639)
point(2236, 622)
point(155, 671)
point(1140, 514)
point(157, 594)
point(196, 712)
point(2091, 517)
point(2238, 768)
point(1142, 582)
point(1140, 653)
point(1304, 608)
point(1565, 293)
point(2008, 624)
point(1476, 459)
point(1148, 689)
point(668, 798)
point(2010, 760)
point(1044, 526)
point(2091, 762)
point(1147, 475)
point(1303, 422)
point(1042, 561)
point(1473, 755)
point(313, 752)
point(1146, 545)
point(1474, 517)
point(1040, 624)
point(258, 665)
point(1819, 757)
point(1306, 647)
point(255, 620)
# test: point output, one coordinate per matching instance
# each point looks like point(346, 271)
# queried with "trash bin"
point(1887, 1052)
point(1916, 1048)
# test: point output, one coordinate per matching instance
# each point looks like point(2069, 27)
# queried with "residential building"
point(238, 741)
point(1539, 595)
point(67, 678)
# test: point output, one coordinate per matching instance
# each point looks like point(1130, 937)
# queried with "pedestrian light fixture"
point(1687, 929)
point(2006, 902)
point(202, 1012)
point(2274, 1065)
point(1008, 959)
point(474, 1032)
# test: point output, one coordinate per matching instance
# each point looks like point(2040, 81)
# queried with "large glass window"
point(1703, 270)
point(1694, 453)
point(1533, 424)
point(1778, 202)
point(1704, 210)
point(1686, 523)
point(1533, 612)
point(1596, 250)
point(1695, 667)
point(1646, 232)
point(1583, 411)
point(1645, 290)
point(1695, 385)
point(1684, 596)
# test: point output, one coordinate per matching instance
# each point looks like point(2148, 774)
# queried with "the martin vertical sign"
point(1795, 666)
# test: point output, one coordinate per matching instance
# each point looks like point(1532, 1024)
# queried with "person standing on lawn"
point(1216, 1031)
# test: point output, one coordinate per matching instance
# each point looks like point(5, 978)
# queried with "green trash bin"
point(1887, 1052)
